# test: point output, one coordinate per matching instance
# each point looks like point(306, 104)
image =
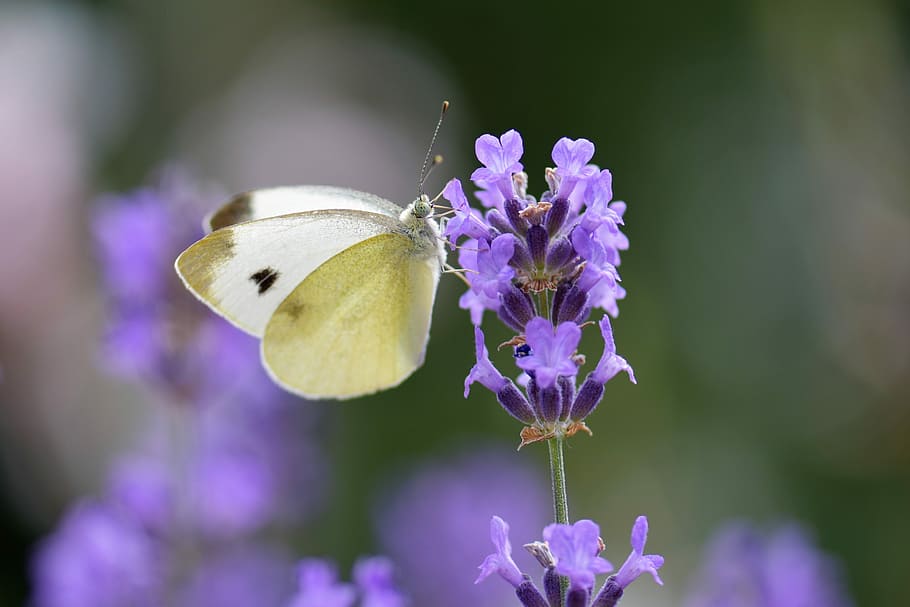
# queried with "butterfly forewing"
point(244, 271)
point(357, 324)
point(272, 202)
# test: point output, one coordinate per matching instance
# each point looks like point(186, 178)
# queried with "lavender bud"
point(541, 552)
point(587, 399)
point(577, 597)
point(499, 221)
point(567, 393)
point(609, 595)
point(572, 305)
point(515, 404)
point(538, 239)
point(549, 405)
point(506, 317)
point(518, 304)
point(521, 257)
point(557, 215)
point(560, 254)
point(513, 212)
point(529, 595)
point(552, 587)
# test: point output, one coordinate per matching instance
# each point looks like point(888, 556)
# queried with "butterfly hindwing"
point(272, 202)
point(244, 271)
point(357, 324)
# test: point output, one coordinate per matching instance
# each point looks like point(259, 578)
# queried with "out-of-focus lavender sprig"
point(194, 499)
point(374, 585)
point(744, 567)
point(428, 522)
point(572, 551)
point(541, 266)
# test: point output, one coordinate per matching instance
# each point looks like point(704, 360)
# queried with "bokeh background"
point(763, 149)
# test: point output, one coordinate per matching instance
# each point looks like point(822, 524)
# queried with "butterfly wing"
point(357, 324)
point(272, 202)
point(244, 271)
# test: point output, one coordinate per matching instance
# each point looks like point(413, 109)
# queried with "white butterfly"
point(339, 284)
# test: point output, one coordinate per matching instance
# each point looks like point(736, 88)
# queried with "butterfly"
point(338, 284)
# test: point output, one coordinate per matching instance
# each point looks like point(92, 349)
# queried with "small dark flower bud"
point(499, 221)
point(518, 304)
point(513, 212)
point(578, 597)
point(538, 239)
point(567, 393)
point(521, 257)
point(557, 215)
point(515, 403)
point(571, 305)
point(609, 595)
point(587, 399)
point(549, 405)
point(560, 254)
point(552, 588)
point(506, 317)
point(533, 391)
point(529, 595)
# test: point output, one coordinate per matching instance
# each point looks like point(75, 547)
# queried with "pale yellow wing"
point(357, 324)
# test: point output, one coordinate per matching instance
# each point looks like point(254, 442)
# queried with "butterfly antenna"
point(437, 160)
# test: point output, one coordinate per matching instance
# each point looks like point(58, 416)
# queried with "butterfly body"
point(339, 284)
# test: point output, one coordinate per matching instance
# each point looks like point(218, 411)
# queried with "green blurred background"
point(763, 149)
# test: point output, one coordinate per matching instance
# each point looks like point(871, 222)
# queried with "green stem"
point(560, 500)
point(558, 473)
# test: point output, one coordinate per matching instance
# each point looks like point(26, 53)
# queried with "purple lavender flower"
point(429, 525)
point(551, 351)
point(541, 267)
point(576, 548)
point(636, 564)
point(500, 159)
point(500, 561)
point(320, 587)
point(745, 568)
point(98, 557)
point(375, 581)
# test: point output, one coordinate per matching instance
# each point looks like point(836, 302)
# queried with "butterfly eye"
point(422, 207)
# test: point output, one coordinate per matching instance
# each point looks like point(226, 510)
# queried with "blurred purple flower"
point(98, 557)
point(245, 576)
point(429, 526)
point(319, 586)
point(744, 568)
point(374, 577)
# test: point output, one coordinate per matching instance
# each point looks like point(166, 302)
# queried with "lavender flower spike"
point(576, 549)
point(551, 351)
point(500, 561)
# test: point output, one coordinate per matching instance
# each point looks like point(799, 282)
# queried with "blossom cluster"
point(542, 266)
point(571, 551)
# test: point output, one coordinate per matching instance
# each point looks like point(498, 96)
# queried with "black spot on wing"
point(264, 279)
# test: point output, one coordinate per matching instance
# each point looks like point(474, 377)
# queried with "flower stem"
point(560, 500)
point(558, 474)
